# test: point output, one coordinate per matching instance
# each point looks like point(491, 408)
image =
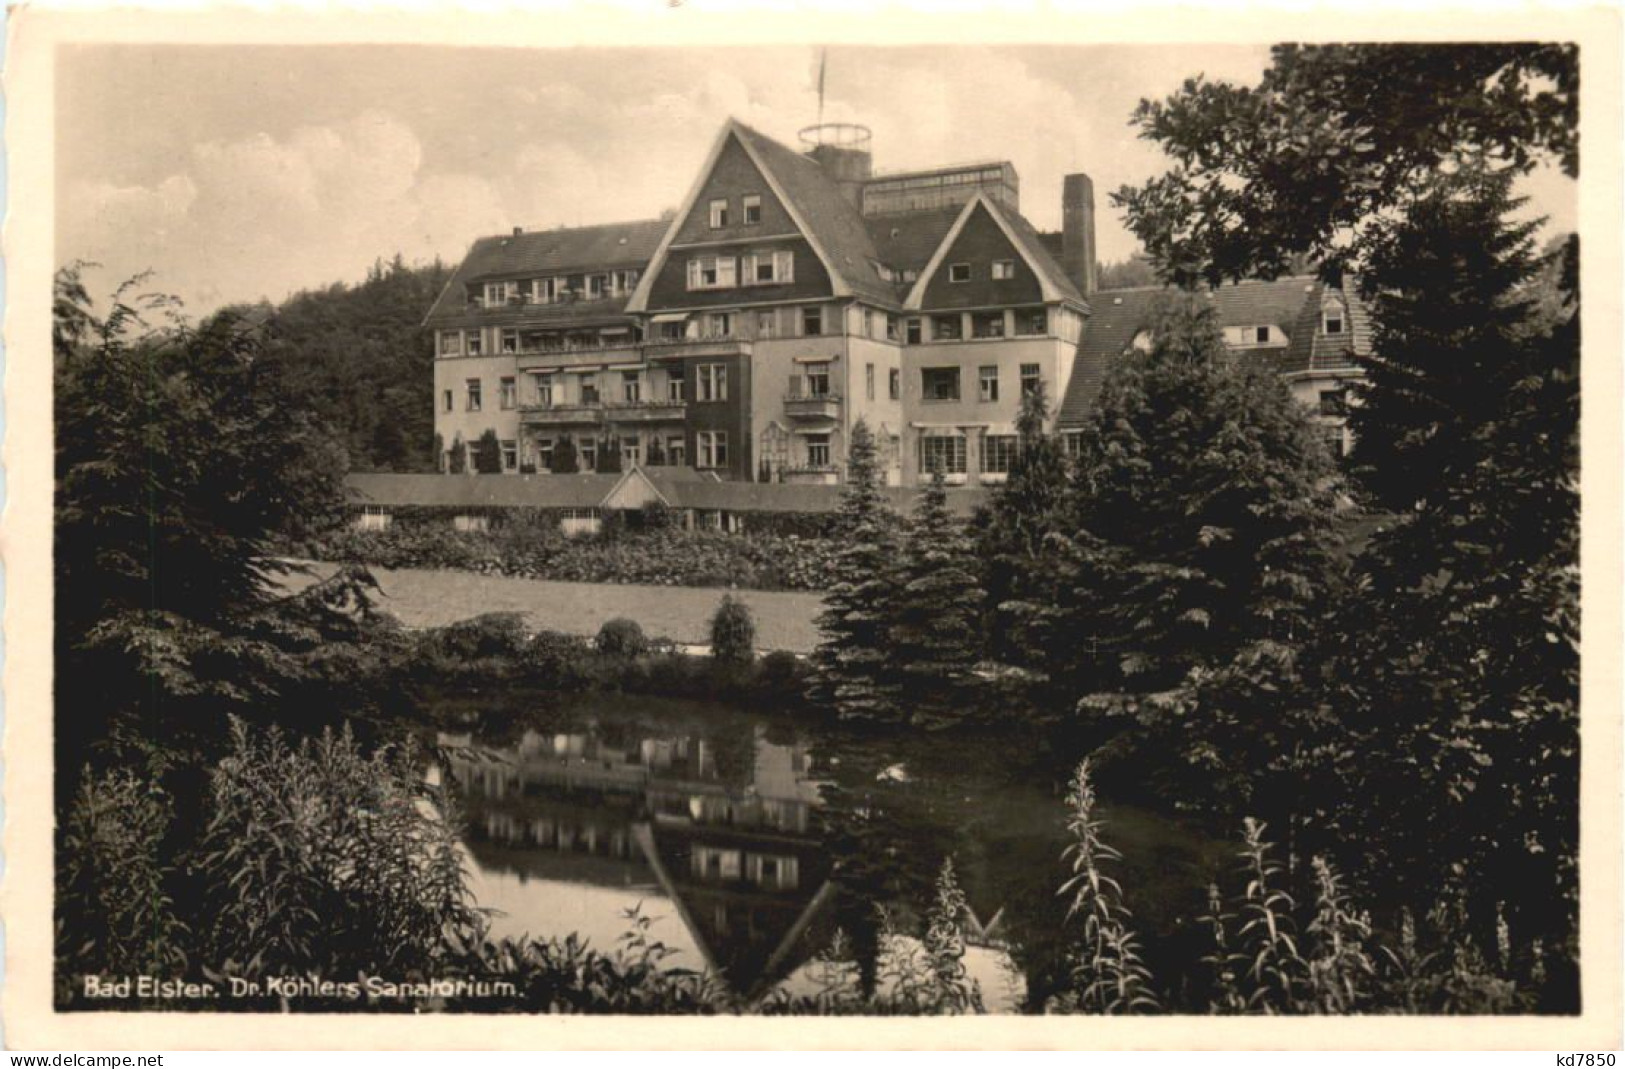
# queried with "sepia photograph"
point(811, 528)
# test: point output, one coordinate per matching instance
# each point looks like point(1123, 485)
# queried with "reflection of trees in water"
point(733, 746)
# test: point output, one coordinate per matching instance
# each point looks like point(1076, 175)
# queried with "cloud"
point(263, 216)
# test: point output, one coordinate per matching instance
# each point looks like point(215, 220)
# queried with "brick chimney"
point(1078, 231)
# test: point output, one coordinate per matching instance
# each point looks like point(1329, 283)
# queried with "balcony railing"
point(799, 404)
point(603, 411)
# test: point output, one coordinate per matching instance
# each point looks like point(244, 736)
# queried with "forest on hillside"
point(357, 358)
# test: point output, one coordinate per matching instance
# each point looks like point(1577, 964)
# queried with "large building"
point(794, 293)
point(791, 295)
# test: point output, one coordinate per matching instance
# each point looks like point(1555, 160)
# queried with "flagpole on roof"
point(823, 61)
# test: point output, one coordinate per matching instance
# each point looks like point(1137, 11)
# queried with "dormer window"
point(959, 272)
point(719, 214)
point(752, 209)
point(1262, 335)
point(1333, 317)
point(496, 294)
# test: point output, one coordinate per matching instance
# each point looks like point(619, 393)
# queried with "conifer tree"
point(1459, 676)
point(1014, 540)
point(935, 638)
point(850, 661)
point(1196, 558)
point(1447, 299)
point(487, 454)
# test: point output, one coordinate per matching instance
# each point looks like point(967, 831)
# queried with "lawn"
point(428, 598)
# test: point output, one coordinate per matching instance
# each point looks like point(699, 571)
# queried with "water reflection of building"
point(719, 822)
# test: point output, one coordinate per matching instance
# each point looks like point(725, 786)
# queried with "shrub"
point(114, 911)
point(559, 660)
point(733, 632)
point(492, 634)
point(622, 637)
point(781, 670)
point(318, 857)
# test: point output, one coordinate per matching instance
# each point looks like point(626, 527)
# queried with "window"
point(544, 389)
point(631, 450)
point(510, 341)
point(767, 324)
point(674, 383)
point(812, 321)
point(476, 343)
point(473, 386)
point(818, 450)
point(1263, 335)
point(676, 450)
point(713, 382)
point(1032, 321)
point(942, 452)
point(1072, 442)
point(507, 393)
point(712, 272)
point(1333, 402)
point(817, 380)
point(496, 293)
point(587, 456)
point(451, 342)
point(1004, 269)
point(448, 401)
point(631, 388)
point(895, 383)
point(987, 325)
point(959, 272)
point(544, 454)
point(893, 327)
point(1336, 444)
point(1030, 378)
point(1331, 318)
point(510, 455)
point(597, 285)
point(719, 214)
point(589, 388)
point(752, 209)
point(768, 268)
point(988, 383)
point(869, 382)
point(939, 383)
point(719, 325)
point(544, 290)
point(946, 328)
point(913, 332)
point(998, 454)
point(713, 448)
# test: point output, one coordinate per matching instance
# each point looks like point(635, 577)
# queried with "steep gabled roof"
point(832, 225)
point(835, 221)
point(1293, 304)
point(1051, 278)
point(542, 253)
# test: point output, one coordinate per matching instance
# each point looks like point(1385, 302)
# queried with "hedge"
point(751, 560)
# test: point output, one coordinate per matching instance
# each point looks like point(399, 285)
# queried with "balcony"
point(802, 405)
point(536, 358)
point(702, 345)
point(602, 412)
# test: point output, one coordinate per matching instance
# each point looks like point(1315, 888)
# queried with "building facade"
point(792, 294)
point(1311, 333)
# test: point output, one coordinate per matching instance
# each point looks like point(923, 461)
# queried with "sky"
point(242, 172)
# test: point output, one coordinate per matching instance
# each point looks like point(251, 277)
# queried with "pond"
point(750, 840)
